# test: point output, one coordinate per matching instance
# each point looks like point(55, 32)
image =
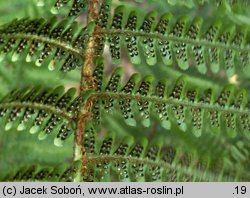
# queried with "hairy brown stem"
point(85, 84)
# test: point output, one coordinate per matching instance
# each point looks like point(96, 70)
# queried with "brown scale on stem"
point(89, 54)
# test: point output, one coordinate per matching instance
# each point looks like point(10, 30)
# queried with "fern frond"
point(142, 160)
point(75, 6)
point(63, 173)
point(130, 160)
point(41, 110)
point(185, 42)
point(186, 105)
point(58, 43)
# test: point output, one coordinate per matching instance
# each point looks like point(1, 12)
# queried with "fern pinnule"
point(185, 42)
point(76, 6)
point(50, 41)
point(102, 21)
point(115, 44)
